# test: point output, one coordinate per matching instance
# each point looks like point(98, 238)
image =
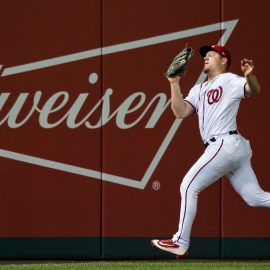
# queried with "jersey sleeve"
point(192, 98)
point(238, 87)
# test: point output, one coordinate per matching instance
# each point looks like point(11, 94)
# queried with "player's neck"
point(212, 75)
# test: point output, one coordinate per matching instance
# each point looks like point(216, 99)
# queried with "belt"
point(213, 139)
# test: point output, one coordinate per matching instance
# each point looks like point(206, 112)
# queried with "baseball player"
point(227, 153)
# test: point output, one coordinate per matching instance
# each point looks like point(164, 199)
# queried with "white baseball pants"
point(228, 156)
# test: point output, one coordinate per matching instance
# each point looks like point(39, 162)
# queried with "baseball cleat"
point(171, 247)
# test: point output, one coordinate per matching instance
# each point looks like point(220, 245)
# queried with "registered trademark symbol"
point(93, 77)
point(156, 185)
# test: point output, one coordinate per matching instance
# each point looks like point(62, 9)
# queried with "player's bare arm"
point(180, 108)
point(252, 87)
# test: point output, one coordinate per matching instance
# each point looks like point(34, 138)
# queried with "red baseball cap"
point(216, 48)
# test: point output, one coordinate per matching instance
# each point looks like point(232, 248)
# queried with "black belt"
point(213, 139)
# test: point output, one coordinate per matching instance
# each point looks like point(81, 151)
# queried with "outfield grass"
point(140, 265)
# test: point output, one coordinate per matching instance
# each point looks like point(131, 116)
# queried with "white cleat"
point(171, 247)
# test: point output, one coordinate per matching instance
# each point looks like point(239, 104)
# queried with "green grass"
point(139, 265)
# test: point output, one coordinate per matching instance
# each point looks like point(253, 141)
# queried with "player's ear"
point(224, 62)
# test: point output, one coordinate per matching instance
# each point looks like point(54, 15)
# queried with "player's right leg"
point(212, 165)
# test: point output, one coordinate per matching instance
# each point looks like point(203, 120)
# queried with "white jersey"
point(216, 103)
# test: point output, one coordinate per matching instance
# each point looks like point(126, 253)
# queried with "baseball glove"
point(179, 64)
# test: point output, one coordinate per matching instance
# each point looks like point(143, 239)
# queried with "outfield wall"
point(91, 156)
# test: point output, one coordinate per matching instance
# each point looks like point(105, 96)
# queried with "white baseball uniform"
point(227, 154)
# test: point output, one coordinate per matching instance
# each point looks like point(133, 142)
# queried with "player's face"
point(212, 61)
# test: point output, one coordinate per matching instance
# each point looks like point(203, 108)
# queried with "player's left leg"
point(244, 181)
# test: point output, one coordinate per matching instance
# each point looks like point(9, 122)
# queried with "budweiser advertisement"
point(91, 155)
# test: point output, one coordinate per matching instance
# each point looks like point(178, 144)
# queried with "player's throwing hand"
point(247, 66)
